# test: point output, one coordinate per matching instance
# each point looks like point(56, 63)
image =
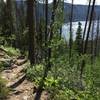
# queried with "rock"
point(1, 54)
point(8, 71)
point(25, 98)
point(21, 57)
point(14, 66)
point(17, 92)
point(21, 62)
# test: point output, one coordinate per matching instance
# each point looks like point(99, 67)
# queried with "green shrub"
point(1, 66)
point(5, 64)
point(3, 90)
point(63, 81)
point(35, 73)
point(11, 51)
point(68, 94)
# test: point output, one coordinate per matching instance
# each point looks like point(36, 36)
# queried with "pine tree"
point(79, 39)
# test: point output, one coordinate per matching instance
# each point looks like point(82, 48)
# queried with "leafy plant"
point(3, 90)
point(35, 73)
point(11, 51)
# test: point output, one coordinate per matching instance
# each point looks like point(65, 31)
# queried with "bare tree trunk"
point(17, 40)
point(63, 17)
point(9, 15)
point(50, 33)
point(89, 27)
point(31, 27)
point(96, 40)
point(92, 46)
point(87, 18)
point(46, 29)
point(87, 37)
point(22, 16)
point(71, 38)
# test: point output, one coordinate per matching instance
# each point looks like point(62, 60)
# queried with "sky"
point(83, 2)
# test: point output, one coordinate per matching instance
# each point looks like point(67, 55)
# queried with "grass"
point(11, 51)
point(4, 91)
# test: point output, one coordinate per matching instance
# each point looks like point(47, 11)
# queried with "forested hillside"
point(79, 13)
point(37, 62)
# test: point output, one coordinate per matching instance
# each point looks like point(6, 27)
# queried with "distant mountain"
point(79, 13)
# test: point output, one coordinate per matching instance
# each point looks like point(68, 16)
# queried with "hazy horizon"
point(80, 2)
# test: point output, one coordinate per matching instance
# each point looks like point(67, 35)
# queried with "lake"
point(66, 27)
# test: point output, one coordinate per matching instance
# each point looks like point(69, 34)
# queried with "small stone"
point(25, 98)
point(8, 71)
point(14, 66)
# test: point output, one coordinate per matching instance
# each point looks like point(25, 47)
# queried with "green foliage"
point(51, 82)
point(11, 51)
point(35, 73)
point(1, 66)
point(2, 40)
point(68, 94)
point(63, 82)
point(7, 40)
point(96, 72)
point(23, 41)
point(63, 79)
point(5, 64)
point(3, 90)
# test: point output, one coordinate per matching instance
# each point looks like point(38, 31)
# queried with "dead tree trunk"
point(31, 32)
point(92, 44)
point(46, 28)
point(71, 39)
point(87, 18)
point(96, 40)
point(87, 37)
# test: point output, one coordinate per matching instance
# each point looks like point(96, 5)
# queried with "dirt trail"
point(21, 88)
point(24, 90)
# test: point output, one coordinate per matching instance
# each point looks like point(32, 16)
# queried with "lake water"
point(66, 27)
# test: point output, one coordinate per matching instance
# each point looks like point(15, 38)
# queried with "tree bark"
point(92, 43)
point(71, 36)
point(31, 32)
point(87, 37)
point(96, 40)
point(46, 29)
point(87, 18)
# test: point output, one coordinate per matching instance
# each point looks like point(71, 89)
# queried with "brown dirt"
point(24, 91)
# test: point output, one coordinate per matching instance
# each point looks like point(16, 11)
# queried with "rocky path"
point(22, 92)
point(21, 88)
